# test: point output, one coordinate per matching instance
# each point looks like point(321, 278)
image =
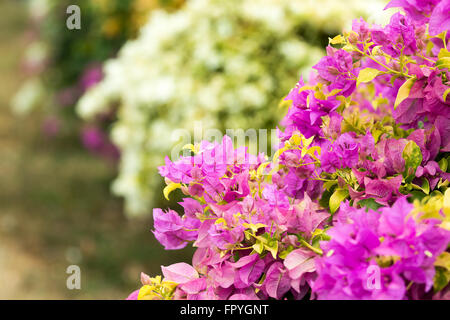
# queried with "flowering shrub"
point(61, 64)
point(355, 203)
point(211, 61)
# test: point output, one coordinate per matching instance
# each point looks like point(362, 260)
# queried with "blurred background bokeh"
point(86, 117)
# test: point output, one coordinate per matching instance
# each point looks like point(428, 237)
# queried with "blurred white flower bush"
point(224, 63)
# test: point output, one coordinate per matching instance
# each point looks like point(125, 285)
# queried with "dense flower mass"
point(354, 204)
point(406, 249)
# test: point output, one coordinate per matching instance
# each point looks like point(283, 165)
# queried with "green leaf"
point(366, 75)
point(169, 188)
point(317, 236)
point(413, 158)
point(266, 242)
point(419, 195)
point(325, 199)
point(441, 279)
point(327, 185)
point(443, 164)
point(394, 77)
point(336, 199)
point(404, 90)
point(425, 186)
point(283, 254)
point(370, 204)
point(272, 247)
point(443, 260)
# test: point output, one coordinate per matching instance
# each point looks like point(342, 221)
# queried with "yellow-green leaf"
point(425, 186)
point(443, 164)
point(312, 150)
point(441, 279)
point(189, 146)
point(333, 92)
point(283, 254)
point(327, 185)
point(376, 50)
point(279, 152)
point(254, 227)
point(307, 142)
point(169, 188)
point(339, 39)
point(443, 63)
point(413, 158)
point(404, 90)
point(258, 247)
point(443, 53)
point(446, 94)
point(261, 168)
point(336, 199)
point(295, 139)
point(221, 221)
point(272, 247)
point(443, 261)
point(304, 88)
point(446, 206)
point(348, 47)
point(284, 104)
point(366, 75)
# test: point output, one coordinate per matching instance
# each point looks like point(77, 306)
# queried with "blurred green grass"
point(56, 208)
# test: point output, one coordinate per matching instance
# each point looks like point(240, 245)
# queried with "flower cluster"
point(389, 242)
point(354, 204)
point(227, 58)
point(250, 235)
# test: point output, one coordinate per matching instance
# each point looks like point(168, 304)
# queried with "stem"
point(307, 164)
point(382, 64)
point(319, 178)
point(409, 285)
point(425, 58)
point(189, 230)
point(310, 247)
point(243, 248)
point(444, 39)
